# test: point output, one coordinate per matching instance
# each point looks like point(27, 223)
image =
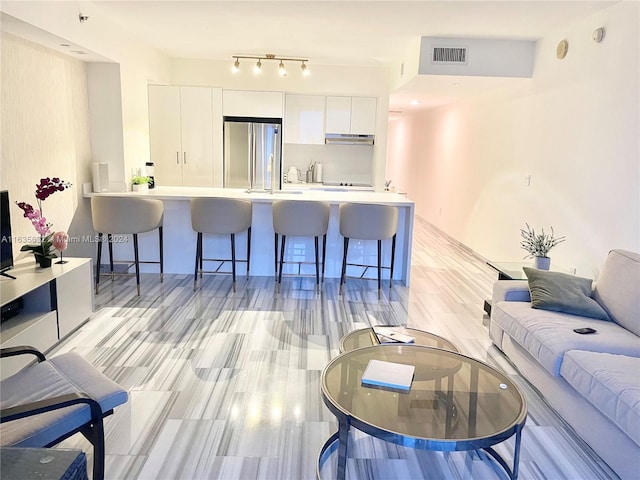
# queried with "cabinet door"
point(363, 115)
point(304, 119)
point(197, 136)
point(75, 298)
point(338, 115)
point(246, 103)
point(164, 134)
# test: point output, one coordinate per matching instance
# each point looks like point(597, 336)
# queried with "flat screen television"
point(6, 246)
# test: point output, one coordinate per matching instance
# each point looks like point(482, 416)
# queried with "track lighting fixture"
point(270, 56)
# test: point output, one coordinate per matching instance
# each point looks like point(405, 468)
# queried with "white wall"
point(574, 128)
point(45, 131)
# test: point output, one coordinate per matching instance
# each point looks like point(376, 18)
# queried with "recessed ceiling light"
point(65, 45)
point(456, 84)
point(415, 102)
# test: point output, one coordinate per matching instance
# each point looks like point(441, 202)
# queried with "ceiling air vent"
point(449, 55)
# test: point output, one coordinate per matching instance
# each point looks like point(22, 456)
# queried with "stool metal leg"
point(324, 255)
point(110, 245)
point(99, 255)
point(393, 256)
point(198, 255)
point(282, 246)
point(161, 254)
point(379, 269)
point(137, 261)
point(233, 260)
point(248, 249)
point(344, 262)
point(201, 254)
point(315, 241)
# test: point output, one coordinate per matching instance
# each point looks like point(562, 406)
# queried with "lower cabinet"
point(54, 302)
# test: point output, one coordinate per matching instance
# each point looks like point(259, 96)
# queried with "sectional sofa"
point(591, 380)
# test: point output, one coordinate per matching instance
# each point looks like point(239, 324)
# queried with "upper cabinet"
point(304, 119)
point(244, 103)
point(181, 135)
point(352, 115)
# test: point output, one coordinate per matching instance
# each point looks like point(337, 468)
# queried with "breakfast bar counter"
point(180, 239)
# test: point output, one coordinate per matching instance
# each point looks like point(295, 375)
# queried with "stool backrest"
point(300, 218)
point(221, 216)
point(126, 214)
point(367, 221)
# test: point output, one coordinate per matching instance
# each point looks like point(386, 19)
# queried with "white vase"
point(143, 187)
point(542, 263)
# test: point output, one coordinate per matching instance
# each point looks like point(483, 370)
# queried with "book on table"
point(391, 335)
point(388, 374)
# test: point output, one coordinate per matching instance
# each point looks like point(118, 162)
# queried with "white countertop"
point(186, 193)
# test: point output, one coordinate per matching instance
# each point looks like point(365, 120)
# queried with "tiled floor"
point(225, 385)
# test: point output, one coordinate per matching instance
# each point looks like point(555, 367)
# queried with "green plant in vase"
point(538, 245)
point(140, 182)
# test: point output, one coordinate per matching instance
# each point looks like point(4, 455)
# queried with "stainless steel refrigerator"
point(252, 153)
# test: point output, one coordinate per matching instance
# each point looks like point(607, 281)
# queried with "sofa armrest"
point(510, 291)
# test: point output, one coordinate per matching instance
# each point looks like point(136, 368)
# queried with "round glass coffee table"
point(366, 337)
point(454, 403)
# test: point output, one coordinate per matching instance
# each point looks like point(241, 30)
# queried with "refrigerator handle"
point(177, 158)
point(184, 156)
point(252, 156)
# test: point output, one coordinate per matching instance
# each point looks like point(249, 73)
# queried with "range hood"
point(348, 139)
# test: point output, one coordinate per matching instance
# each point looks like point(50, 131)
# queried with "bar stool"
point(300, 219)
point(124, 216)
point(368, 222)
point(220, 216)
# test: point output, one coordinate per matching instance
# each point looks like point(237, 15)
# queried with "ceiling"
point(355, 33)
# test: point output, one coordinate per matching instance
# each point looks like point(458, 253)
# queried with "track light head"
point(281, 70)
point(258, 67)
point(236, 66)
point(305, 69)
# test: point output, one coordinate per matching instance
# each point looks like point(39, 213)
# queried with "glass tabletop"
point(455, 402)
point(366, 337)
point(514, 270)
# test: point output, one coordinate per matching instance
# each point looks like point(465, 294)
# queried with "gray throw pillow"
point(561, 292)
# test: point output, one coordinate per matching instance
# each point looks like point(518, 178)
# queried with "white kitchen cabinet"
point(304, 119)
point(249, 103)
point(363, 115)
point(181, 135)
point(351, 115)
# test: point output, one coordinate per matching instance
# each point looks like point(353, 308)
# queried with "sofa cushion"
point(548, 335)
point(611, 383)
point(561, 292)
point(617, 289)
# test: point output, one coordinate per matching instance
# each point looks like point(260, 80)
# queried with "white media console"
point(55, 302)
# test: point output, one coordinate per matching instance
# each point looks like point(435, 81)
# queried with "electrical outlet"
point(527, 181)
point(572, 270)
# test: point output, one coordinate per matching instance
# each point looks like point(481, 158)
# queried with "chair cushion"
point(611, 383)
point(548, 335)
point(617, 289)
point(560, 292)
point(67, 373)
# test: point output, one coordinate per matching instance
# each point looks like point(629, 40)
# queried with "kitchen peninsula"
point(180, 239)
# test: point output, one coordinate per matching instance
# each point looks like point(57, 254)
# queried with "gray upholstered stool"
point(220, 216)
point(126, 215)
point(368, 222)
point(300, 219)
